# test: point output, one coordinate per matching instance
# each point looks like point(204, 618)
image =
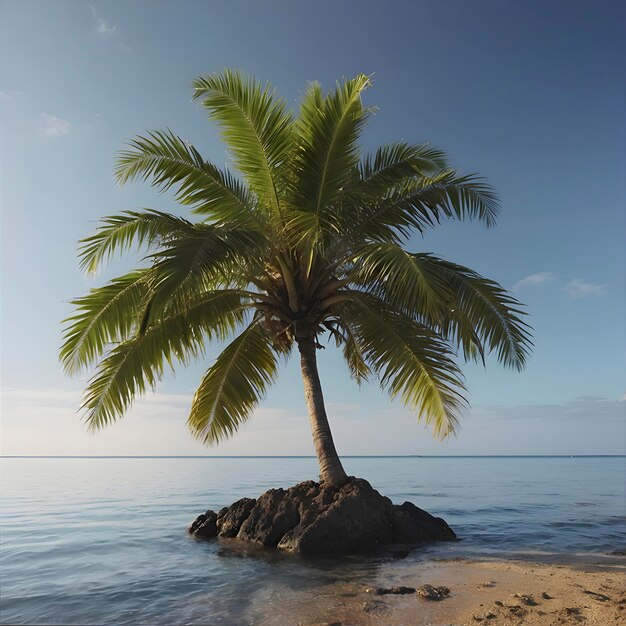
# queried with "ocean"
point(103, 541)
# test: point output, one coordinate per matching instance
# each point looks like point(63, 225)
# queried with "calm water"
point(102, 541)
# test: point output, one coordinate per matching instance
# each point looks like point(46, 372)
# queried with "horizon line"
point(295, 456)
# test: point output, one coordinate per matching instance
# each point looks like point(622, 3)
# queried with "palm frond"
point(167, 160)
point(233, 385)
point(422, 202)
point(106, 314)
point(328, 130)
point(411, 361)
point(406, 282)
point(138, 363)
point(392, 164)
point(354, 357)
point(206, 257)
point(255, 124)
point(482, 312)
point(120, 232)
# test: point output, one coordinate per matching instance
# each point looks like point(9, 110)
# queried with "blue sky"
point(531, 95)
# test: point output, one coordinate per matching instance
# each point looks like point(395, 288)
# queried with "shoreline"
point(482, 592)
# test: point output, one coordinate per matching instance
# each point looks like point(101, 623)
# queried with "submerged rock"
point(383, 591)
point(313, 518)
point(433, 593)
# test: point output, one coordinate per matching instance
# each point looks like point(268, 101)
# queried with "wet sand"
point(494, 593)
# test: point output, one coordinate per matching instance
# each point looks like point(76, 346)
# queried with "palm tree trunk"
point(331, 470)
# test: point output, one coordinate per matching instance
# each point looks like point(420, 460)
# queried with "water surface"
point(102, 540)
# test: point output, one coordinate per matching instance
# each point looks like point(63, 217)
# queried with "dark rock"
point(341, 520)
point(204, 526)
point(546, 596)
point(230, 519)
point(411, 524)
point(527, 600)
point(499, 603)
point(518, 610)
point(270, 519)
point(383, 591)
point(597, 596)
point(313, 518)
point(433, 593)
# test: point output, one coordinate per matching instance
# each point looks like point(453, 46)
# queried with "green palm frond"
point(120, 232)
point(207, 257)
point(482, 313)
point(167, 160)
point(328, 152)
point(393, 164)
point(420, 203)
point(233, 385)
point(411, 361)
point(106, 314)
point(137, 364)
point(476, 313)
point(354, 357)
point(255, 124)
point(405, 281)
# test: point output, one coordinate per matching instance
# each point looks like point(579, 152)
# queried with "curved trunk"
point(331, 470)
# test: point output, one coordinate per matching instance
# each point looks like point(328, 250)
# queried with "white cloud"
point(578, 288)
point(54, 126)
point(103, 28)
point(532, 280)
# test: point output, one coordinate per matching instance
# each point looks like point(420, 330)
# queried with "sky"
point(529, 94)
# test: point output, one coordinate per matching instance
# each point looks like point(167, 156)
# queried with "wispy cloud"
point(540, 278)
point(578, 288)
point(10, 95)
point(582, 408)
point(54, 126)
point(102, 27)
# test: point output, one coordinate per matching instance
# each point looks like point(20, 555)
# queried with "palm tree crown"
point(305, 241)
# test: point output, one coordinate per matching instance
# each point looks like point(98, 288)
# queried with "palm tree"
point(305, 242)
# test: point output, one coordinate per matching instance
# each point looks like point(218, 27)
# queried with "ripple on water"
point(103, 540)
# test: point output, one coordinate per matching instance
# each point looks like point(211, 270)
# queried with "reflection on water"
point(102, 541)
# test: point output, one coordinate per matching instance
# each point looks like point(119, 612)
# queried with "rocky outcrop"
point(313, 518)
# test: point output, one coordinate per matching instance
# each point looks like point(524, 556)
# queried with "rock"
point(230, 519)
point(411, 524)
point(270, 519)
point(527, 600)
point(597, 596)
point(545, 596)
point(518, 610)
point(433, 593)
point(313, 518)
point(383, 591)
point(204, 526)
point(499, 603)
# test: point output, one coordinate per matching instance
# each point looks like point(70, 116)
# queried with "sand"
point(494, 593)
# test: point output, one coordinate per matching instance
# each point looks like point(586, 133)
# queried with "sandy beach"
point(498, 593)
